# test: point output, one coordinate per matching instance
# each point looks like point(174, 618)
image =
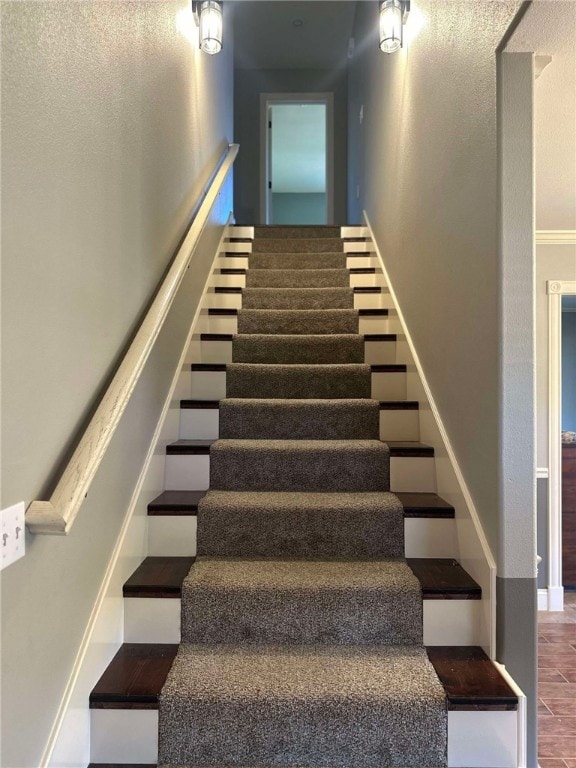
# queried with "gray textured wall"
point(425, 158)
point(248, 85)
point(111, 124)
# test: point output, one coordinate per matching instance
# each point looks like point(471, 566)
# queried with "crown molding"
point(556, 237)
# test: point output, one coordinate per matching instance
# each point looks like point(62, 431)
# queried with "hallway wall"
point(423, 149)
point(426, 162)
point(248, 85)
point(112, 123)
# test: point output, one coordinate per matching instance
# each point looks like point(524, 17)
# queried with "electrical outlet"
point(13, 534)
point(357, 191)
point(361, 115)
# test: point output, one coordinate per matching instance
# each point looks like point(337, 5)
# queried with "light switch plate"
point(12, 534)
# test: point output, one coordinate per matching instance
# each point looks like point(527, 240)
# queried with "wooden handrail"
point(57, 515)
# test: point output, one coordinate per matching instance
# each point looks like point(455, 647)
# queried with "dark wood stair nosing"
point(135, 677)
point(425, 505)
point(368, 337)
point(368, 312)
point(385, 405)
point(206, 367)
point(416, 505)
point(189, 448)
point(375, 368)
point(175, 503)
point(225, 311)
point(158, 577)
point(398, 448)
point(460, 669)
point(440, 578)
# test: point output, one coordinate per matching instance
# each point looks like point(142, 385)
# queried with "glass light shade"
point(390, 26)
point(211, 26)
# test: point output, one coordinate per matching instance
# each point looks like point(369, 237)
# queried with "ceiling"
point(274, 34)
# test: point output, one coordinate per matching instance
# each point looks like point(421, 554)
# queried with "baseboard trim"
point(112, 642)
point(555, 237)
point(551, 599)
point(542, 599)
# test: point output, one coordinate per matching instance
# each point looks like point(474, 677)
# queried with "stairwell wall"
point(425, 159)
point(423, 150)
point(112, 123)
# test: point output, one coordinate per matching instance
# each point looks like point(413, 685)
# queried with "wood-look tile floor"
point(557, 686)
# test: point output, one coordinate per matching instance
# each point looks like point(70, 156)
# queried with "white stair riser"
point(218, 280)
point(175, 536)
point(172, 535)
point(211, 385)
point(151, 620)
point(430, 537)
point(157, 620)
point(361, 300)
point(475, 739)
point(355, 231)
point(192, 473)
point(229, 324)
point(241, 231)
point(414, 474)
point(452, 622)
point(124, 735)
point(237, 247)
point(242, 261)
point(203, 424)
point(482, 739)
point(359, 247)
point(375, 352)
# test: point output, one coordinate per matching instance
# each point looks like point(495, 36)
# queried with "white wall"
point(549, 28)
point(425, 159)
point(111, 124)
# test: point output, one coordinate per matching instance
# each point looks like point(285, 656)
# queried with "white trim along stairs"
point(484, 709)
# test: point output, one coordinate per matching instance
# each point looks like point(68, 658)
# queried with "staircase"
point(323, 620)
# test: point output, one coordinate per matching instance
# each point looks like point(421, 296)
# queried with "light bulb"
point(390, 26)
point(211, 26)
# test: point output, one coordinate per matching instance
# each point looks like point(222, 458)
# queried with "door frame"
point(555, 290)
point(266, 101)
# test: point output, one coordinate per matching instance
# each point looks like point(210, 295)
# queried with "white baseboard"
point(551, 599)
point(542, 599)
point(69, 740)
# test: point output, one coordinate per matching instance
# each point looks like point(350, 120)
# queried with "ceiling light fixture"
point(208, 16)
point(393, 16)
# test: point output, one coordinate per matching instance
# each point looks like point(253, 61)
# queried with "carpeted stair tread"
point(298, 381)
point(299, 465)
point(298, 298)
point(305, 419)
point(311, 602)
point(297, 321)
point(297, 245)
point(308, 706)
point(302, 230)
point(298, 278)
point(287, 349)
point(326, 260)
point(314, 524)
